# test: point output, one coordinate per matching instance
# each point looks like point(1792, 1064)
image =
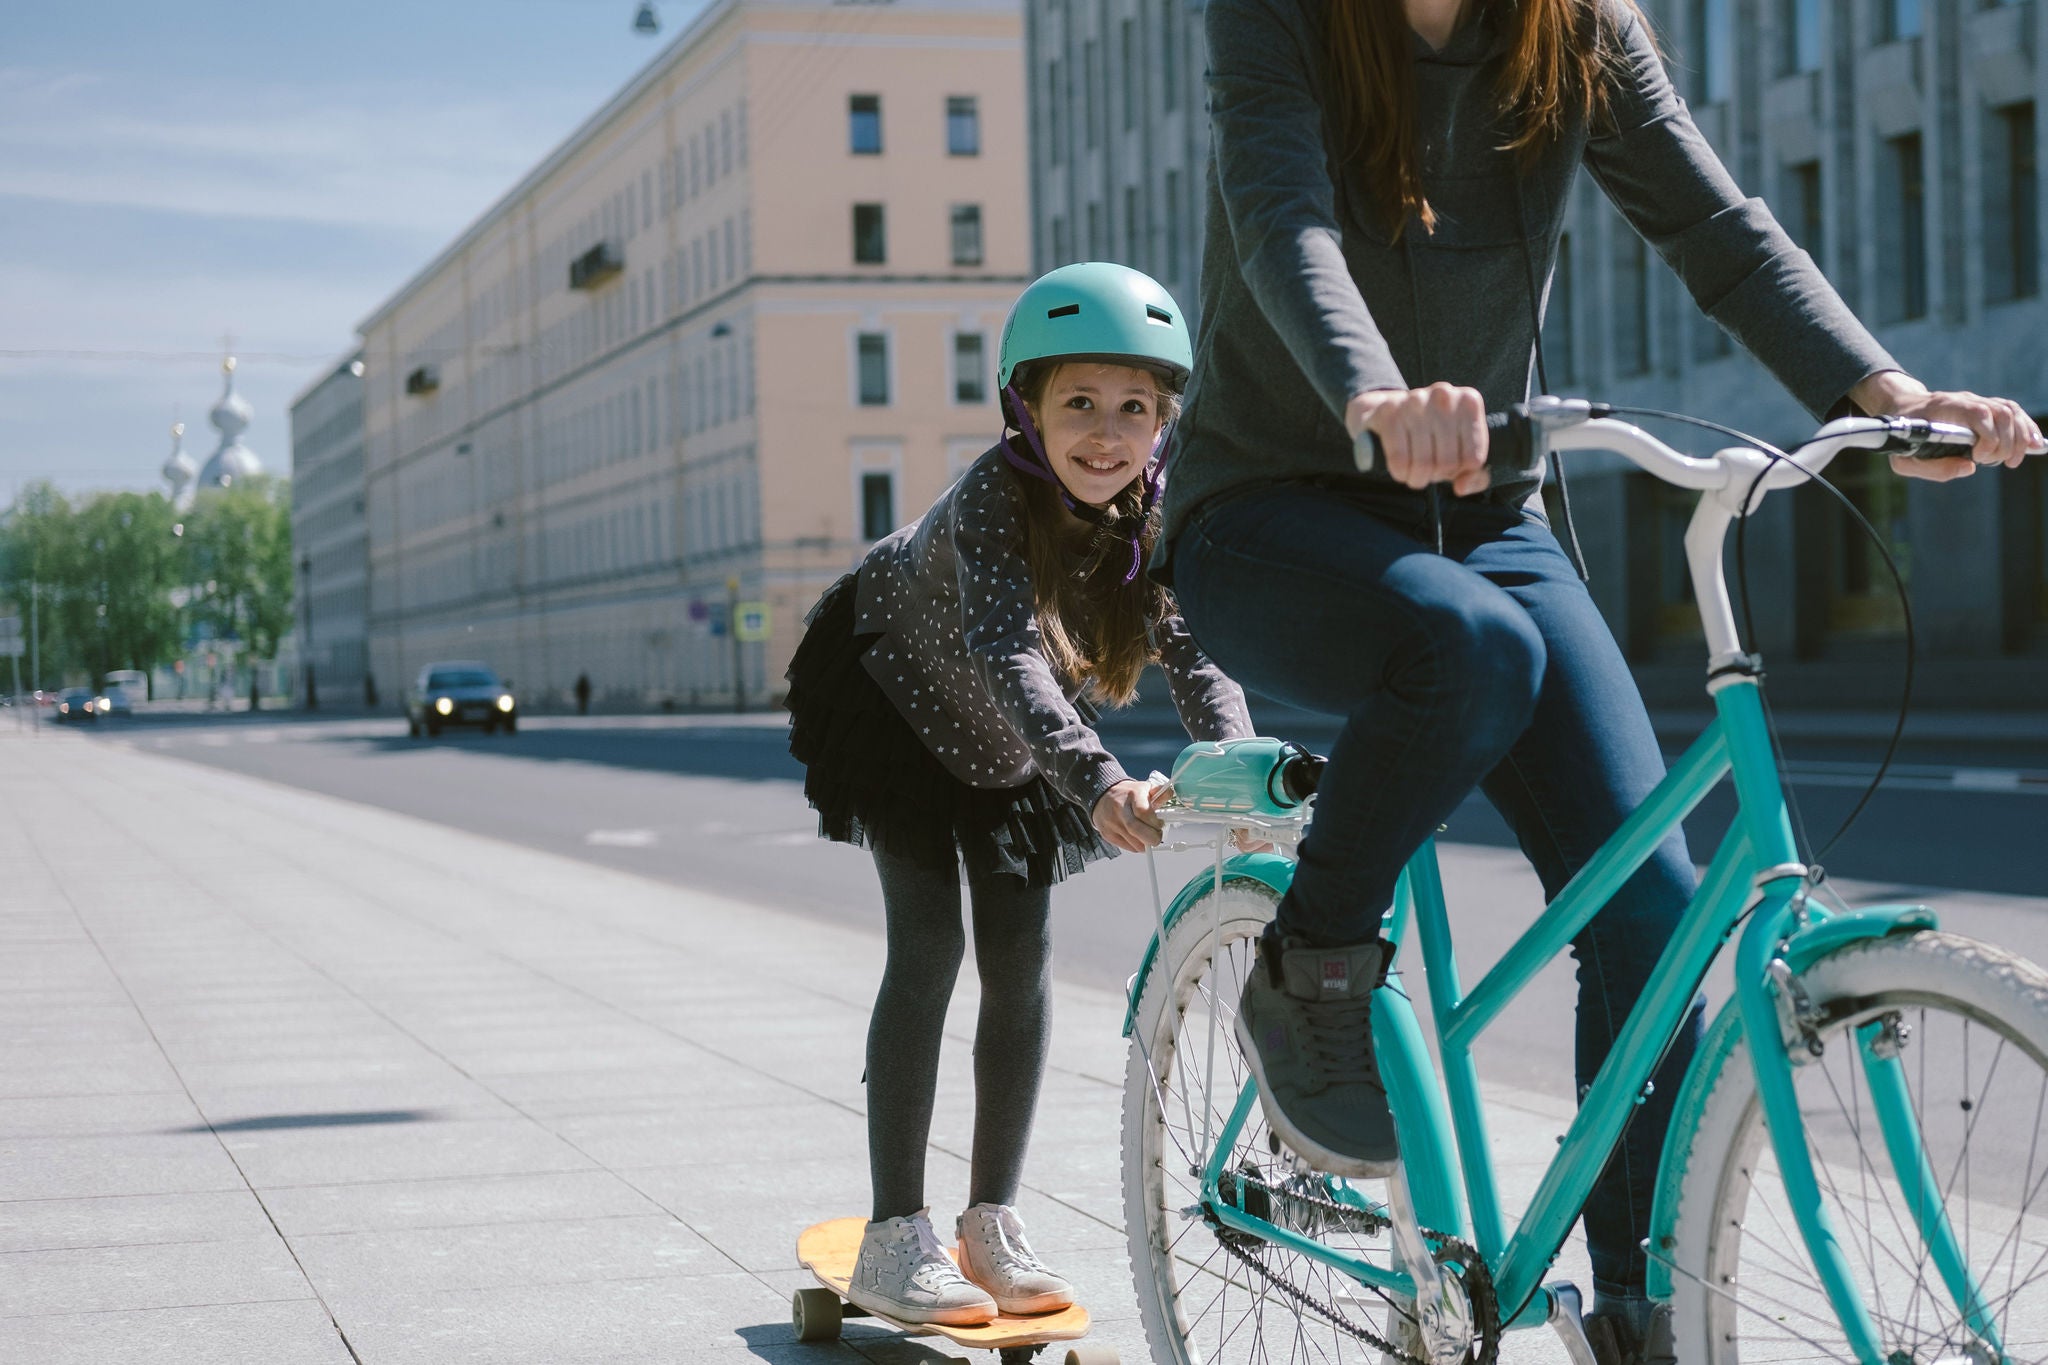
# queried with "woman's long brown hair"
point(1558, 52)
point(1095, 629)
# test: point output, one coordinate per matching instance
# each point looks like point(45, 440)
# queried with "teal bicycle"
point(1856, 1165)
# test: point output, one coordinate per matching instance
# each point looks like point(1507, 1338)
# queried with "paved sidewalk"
point(286, 1079)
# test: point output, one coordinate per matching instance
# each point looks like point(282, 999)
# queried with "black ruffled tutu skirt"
point(873, 782)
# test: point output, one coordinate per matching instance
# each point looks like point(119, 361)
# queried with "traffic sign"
point(11, 644)
point(753, 621)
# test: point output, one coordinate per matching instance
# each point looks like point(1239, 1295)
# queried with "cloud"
point(395, 157)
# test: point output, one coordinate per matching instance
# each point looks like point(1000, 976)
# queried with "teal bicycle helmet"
point(1099, 311)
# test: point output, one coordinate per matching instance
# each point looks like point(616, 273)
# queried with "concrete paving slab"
point(105, 1164)
point(406, 1151)
point(308, 1210)
point(162, 1275)
point(135, 1074)
point(90, 1115)
point(130, 1220)
point(298, 1331)
point(683, 1135)
point(477, 1256)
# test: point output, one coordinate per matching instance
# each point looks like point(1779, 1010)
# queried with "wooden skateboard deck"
point(828, 1251)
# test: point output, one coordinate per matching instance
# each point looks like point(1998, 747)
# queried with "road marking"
point(622, 838)
point(1986, 779)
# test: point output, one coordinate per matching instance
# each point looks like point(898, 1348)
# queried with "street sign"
point(753, 621)
point(11, 643)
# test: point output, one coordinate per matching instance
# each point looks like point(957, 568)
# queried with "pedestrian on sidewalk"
point(582, 694)
point(942, 700)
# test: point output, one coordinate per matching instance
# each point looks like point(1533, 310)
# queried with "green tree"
point(102, 574)
point(238, 544)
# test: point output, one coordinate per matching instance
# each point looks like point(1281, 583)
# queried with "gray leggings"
point(1013, 952)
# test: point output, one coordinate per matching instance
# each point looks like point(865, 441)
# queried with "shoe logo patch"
point(1336, 975)
point(1276, 1039)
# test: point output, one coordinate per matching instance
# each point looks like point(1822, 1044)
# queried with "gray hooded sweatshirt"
point(1308, 298)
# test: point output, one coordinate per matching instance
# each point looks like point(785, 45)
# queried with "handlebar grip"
point(1510, 443)
point(1924, 440)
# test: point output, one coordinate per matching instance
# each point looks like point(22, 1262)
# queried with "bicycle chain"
point(1364, 1222)
point(1478, 1282)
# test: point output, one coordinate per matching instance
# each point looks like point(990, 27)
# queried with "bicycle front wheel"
point(1951, 1258)
point(1208, 1296)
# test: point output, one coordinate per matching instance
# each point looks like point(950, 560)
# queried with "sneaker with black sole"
point(1304, 1024)
point(1615, 1340)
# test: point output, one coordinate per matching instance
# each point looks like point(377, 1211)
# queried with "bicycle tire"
point(1199, 1302)
point(1976, 1066)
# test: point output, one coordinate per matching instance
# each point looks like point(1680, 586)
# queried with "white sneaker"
point(995, 1256)
point(902, 1272)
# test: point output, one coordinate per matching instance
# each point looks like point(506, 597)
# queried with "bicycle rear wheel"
point(1968, 1025)
point(1207, 1296)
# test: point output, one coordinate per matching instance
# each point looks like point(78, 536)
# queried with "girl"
point(1390, 179)
point(941, 707)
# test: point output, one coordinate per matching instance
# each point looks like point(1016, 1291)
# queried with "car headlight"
point(63, 708)
point(505, 702)
point(103, 704)
point(443, 705)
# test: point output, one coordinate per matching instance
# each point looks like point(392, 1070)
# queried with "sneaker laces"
point(1338, 1038)
point(930, 1256)
point(1011, 1255)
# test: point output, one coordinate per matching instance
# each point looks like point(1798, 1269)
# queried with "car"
point(80, 704)
point(123, 687)
point(461, 693)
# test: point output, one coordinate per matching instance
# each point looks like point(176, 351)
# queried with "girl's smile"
point(1099, 423)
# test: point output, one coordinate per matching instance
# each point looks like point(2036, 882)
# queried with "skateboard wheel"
point(815, 1314)
point(1090, 1354)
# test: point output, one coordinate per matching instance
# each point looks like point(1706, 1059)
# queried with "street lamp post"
point(306, 595)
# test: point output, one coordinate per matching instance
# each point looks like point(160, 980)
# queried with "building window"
point(872, 349)
point(1862, 598)
point(963, 126)
point(970, 376)
point(1094, 232)
point(1172, 226)
point(1897, 19)
point(1132, 234)
point(1055, 106)
point(966, 236)
point(864, 120)
point(1798, 36)
point(1059, 240)
point(1169, 57)
point(2012, 225)
point(1631, 303)
point(1091, 73)
point(870, 246)
point(1557, 319)
point(877, 504)
point(1802, 206)
point(1130, 82)
point(1713, 41)
point(1902, 231)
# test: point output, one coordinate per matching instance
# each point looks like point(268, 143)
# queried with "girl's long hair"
point(1094, 628)
point(1558, 53)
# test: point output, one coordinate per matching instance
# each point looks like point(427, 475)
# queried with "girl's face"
point(1099, 423)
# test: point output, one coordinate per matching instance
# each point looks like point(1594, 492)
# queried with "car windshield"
point(461, 677)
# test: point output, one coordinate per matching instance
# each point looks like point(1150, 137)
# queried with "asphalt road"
point(714, 803)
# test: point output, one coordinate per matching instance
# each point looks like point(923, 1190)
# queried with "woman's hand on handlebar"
point(1124, 816)
point(1426, 436)
point(2005, 433)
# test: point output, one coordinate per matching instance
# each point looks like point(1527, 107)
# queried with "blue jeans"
point(1489, 666)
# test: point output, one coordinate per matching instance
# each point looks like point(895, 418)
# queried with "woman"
point(937, 705)
point(1390, 182)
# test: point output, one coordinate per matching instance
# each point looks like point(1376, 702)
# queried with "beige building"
point(741, 324)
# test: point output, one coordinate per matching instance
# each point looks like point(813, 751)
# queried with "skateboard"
point(828, 1251)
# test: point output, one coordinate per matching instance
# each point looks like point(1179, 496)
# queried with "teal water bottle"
point(1258, 776)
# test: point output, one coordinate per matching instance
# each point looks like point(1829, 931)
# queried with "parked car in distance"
point(80, 704)
point(464, 693)
point(123, 688)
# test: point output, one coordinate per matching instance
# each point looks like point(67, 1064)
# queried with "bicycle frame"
point(1757, 873)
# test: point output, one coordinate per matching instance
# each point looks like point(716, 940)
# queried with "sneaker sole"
point(1037, 1303)
point(1308, 1149)
point(972, 1316)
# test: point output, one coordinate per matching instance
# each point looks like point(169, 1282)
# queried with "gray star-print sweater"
point(960, 655)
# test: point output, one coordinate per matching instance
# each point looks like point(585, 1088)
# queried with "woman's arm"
point(1273, 171)
point(1211, 706)
point(1738, 264)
